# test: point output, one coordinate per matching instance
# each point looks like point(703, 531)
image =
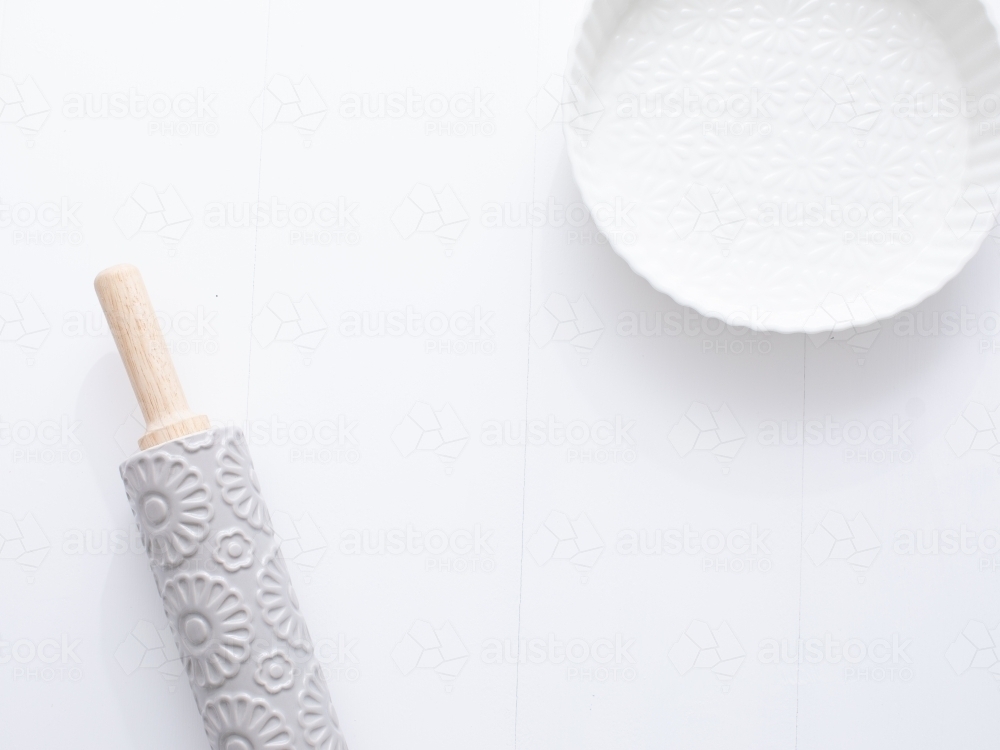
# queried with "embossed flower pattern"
point(708, 20)
point(874, 174)
point(725, 159)
point(912, 41)
point(233, 550)
point(172, 504)
point(781, 25)
point(832, 126)
point(238, 479)
point(688, 70)
point(805, 164)
point(250, 700)
point(242, 722)
point(635, 64)
point(274, 671)
point(932, 178)
point(762, 82)
point(279, 603)
point(199, 441)
point(212, 625)
point(316, 715)
point(850, 31)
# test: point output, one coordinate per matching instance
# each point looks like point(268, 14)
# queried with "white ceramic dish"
point(793, 165)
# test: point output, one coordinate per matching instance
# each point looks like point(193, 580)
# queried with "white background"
point(64, 578)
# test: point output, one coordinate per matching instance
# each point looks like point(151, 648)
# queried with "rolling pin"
point(226, 589)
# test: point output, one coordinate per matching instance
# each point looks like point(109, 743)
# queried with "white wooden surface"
point(470, 567)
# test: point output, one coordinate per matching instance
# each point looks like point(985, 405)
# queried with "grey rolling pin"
point(225, 587)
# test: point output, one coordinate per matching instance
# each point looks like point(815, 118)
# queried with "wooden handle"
point(144, 351)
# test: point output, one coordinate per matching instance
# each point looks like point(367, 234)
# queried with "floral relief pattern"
point(171, 503)
point(817, 106)
point(238, 479)
point(781, 25)
point(212, 626)
point(275, 671)
point(715, 20)
point(764, 80)
point(233, 550)
point(688, 69)
point(850, 32)
point(228, 596)
point(242, 722)
point(199, 441)
point(911, 43)
point(316, 714)
point(279, 603)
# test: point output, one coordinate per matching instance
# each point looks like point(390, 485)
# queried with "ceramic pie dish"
point(791, 165)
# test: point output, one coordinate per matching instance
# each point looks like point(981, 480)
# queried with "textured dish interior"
point(795, 164)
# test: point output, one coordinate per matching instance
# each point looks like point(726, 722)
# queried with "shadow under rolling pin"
point(225, 587)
